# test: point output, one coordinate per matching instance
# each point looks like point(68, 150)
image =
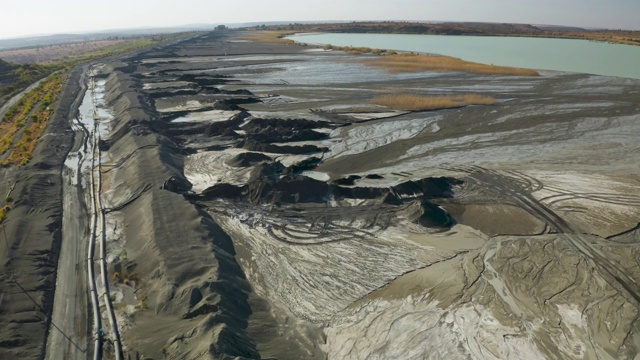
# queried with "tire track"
point(615, 276)
point(312, 226)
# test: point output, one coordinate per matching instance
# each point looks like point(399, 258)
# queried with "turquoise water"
point(537, 53)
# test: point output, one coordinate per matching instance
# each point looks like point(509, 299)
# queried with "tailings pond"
point(581, 56)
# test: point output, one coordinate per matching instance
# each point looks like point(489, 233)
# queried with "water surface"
point(537, 53)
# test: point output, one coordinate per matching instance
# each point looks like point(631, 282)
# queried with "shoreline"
point(531, 55)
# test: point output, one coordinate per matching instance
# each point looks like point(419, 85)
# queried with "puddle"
point(317, 175)
point(92, 111)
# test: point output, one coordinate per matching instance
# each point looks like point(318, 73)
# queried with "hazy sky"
point(25, 17)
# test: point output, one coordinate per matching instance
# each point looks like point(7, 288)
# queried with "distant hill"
point(36, 41)
point(48, 40)
point(559, 28)
point(413, 27)
point(463, 28)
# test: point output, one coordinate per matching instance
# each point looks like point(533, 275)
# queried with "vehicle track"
point(613, 274)
point(314, 225)
point(602, 197)
point(532, 184)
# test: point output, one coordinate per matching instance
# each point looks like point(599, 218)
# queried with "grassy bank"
point(400, 63)
point(409, 62)
point(359, 50)
point(268, 36)
point(413, 102)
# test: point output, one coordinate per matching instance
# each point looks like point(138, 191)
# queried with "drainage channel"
point(83, 168)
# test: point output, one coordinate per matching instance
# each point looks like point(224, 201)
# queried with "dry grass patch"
point(269, 37)
point(31, 115)
point(355, 50)
point(411, 102)
point(415, 63)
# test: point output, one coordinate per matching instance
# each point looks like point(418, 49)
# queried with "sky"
point(29, 17)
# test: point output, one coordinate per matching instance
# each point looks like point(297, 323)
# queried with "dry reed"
point(413, 102)
point(416, 63)
point(269, 37)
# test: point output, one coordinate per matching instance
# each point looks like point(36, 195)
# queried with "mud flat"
point(258, 205)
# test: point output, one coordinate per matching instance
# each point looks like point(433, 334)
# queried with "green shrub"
point(3, 212)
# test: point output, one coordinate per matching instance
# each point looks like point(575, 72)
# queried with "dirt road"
point(70, 304)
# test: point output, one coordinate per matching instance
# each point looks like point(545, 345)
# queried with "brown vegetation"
point(269, 37)
point(413, 102)
point(416, 63)
point(356, 50)
point(125, 274)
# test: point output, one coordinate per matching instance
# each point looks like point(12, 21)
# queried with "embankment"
point(190, 288)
